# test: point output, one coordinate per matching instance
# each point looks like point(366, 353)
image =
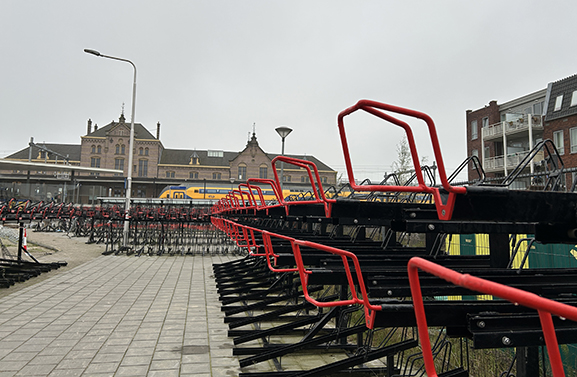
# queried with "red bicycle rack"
point(444, 210)
point(315, 180)
point(369, 308)
point(545, 308)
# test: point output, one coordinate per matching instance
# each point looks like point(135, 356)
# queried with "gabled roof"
point(564, 87)
point(320, 165)
point(70, 150)
point(140, 132)
point(183, 157)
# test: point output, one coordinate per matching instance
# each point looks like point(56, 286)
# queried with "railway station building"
point(154, 166)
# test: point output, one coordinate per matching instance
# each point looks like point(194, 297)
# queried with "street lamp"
point(283, 131)
point(130, 146)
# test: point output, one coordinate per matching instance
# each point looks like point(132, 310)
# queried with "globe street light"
point(283, 131)
point(130, 146)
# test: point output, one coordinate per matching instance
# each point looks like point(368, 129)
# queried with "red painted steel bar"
point(369, 309)
point(444, 210)
point(315, 181)
point(545, 308)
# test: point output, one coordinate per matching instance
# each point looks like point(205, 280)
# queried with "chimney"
point(95, 127)
point(158, 130)
point(89, 128)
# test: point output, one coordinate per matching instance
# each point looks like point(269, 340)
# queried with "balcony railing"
point(497, 163)
point(512, 126)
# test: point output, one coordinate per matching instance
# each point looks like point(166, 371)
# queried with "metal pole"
point(130, 146)
point(282, 168)
point(283, 132)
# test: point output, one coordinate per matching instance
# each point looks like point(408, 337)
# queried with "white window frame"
point(574, 98)
point(559, 143)
point(573, 139)
point(558, 102)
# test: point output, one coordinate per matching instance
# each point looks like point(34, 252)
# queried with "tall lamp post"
point(283, 131)
point(130, 146)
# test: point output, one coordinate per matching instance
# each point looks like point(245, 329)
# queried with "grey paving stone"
point(136, 360)
point(66, 372)
point(197, 368)
point(118, 315)
point(133, 370)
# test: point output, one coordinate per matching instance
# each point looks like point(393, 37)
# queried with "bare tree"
point(403, 166)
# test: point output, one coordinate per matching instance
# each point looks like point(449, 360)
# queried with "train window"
point(196, 191)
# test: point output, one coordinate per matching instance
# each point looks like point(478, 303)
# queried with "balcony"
point(497, 164)
point(512, 126)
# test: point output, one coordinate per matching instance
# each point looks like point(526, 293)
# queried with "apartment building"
point(502, 135)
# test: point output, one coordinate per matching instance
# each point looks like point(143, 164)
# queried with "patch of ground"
point(49, 247)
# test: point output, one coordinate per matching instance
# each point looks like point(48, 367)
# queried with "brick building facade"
point(154, 166)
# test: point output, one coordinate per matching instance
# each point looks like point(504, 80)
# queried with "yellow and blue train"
point(211, 193)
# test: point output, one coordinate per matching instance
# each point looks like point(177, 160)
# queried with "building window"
point(169, 174)
point(94, 162)
point(242, 172)
point(122, 149)
point(475, 152)
point(99, 149)
point(558, 103)
point(117, 149)
point(286, 178)
point(143, 168)
point(215, 153)
point(140, 151)
point(119, 163)
point(558, 141)
point(573, 137)
point(574, 98)
point(485, 122)
point(193, 175)
point(305, 179)
point(324, 179)
point(93, 149)
point(146, 151)
point(262, 172)
point(538, 108)
point(474, 130)
point(216, 175)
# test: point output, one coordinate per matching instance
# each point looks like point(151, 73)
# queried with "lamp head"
point(93, 52)
point(283, 131)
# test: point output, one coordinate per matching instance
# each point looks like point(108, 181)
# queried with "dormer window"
point(574, 98)
point(194, 159)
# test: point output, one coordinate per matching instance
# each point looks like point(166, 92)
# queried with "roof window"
point(558, 102)
point(574, 98)
point(215, 154)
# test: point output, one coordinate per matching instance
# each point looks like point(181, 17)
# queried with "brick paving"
point(119, 316)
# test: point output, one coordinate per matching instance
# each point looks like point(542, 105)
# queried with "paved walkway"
point(119, 316)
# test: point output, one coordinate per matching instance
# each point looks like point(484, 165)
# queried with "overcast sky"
point(208, 70)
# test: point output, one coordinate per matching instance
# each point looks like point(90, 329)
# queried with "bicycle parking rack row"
point(153, 229)
point(303, 242)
